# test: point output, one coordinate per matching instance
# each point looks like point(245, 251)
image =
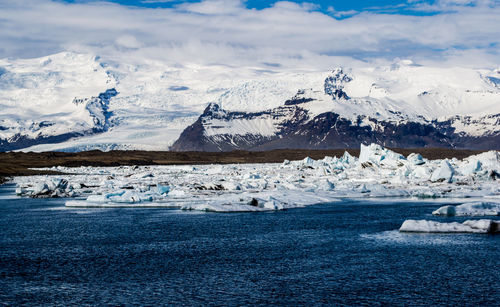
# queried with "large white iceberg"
point(469, 226)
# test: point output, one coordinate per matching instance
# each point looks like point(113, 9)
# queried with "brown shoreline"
point(18, 163)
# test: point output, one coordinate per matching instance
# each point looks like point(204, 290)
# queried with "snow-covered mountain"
point(403, 105)
point(52, 99)
point(71, 102)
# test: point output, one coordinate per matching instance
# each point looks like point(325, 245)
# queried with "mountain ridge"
point(57, 103)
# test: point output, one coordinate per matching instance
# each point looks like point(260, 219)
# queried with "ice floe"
point(469, 226)
point(470, 209)
point(378, 172)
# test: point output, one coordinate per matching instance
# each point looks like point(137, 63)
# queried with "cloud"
point(128, 41)
point(449, 5)
point(226, 32)
point(213, 7)
point(341, 14)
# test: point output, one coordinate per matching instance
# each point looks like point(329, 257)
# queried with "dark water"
point(336, 254)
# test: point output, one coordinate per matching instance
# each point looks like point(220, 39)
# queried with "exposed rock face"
point(331, 119)
point(291, 126)
point(334, 84)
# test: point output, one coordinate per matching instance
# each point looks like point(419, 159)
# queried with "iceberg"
point(443, 173)
point(162, 189)
point(123, 196)
point(379, 155)
point(416, 159)
point(378, 172)
point(469, 226)
point(470, 209)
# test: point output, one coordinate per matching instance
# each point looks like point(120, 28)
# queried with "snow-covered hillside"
point(401, 105)
point(80, 101)
point(60, 96)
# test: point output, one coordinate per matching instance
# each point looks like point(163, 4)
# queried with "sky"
point(325, 6)
point(236, 32)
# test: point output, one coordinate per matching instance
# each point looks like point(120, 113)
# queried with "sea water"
point(344, 253)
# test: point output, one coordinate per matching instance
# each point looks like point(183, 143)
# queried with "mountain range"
point(74, 102)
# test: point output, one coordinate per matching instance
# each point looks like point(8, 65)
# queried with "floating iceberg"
point(443, 173)
point(416, 159)
point(469, 226)
point(379, 172)
point(378, 155)
point(470, 209)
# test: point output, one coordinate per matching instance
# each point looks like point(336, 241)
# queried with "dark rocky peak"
point(298, 98)
point(108, 94)
point(334, 84)
point(213, 110)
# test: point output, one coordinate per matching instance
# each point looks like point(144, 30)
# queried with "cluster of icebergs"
point(378, 172)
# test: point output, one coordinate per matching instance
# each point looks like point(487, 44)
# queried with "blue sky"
point(236, 32)
point(325, 6)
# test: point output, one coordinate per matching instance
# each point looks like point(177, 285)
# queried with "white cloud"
point(213, 7)
point(226, 32)
point(341, 14)
point(450, 5)
point(128, 41)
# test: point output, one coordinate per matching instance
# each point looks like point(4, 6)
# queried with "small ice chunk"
point(470, 209)
point(472, 167)
point(40, 188)
point(420, 172)
point(379, 155)
point(346, 159)
point(328, 159)
point(97, 199)
point(445, 210)
point(326, 185)
point(271, 204)
point(162, 189)
point(469, 226)
point(20, 191)
point(444, 172)
point(308, 162)
point(489, 160)
point(251, 176)
point(416, 159)
point(177, 193)
point(120, 197)
point(127, 197)
point(364, 189)
point(231, 186)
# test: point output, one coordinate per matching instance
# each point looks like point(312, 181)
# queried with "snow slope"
point(51, 95)
point(156, 100)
